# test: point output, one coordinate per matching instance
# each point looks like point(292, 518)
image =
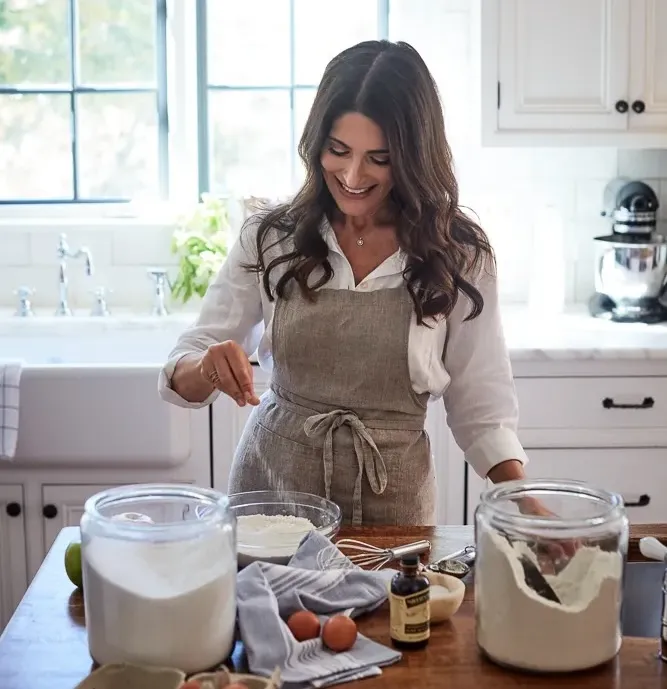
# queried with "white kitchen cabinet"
point(595, 412)
point(639, 475)
point(63, 506)
point(13, 571)
point(574, 72)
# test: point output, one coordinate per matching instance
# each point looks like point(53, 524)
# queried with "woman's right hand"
point(226, 366)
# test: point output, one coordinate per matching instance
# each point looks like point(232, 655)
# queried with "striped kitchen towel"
point(321, 579)
point(10, 378)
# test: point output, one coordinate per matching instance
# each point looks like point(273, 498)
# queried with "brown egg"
point(339, 633)
point(304, 625)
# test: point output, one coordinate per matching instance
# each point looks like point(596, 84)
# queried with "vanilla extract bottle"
point(409, 606)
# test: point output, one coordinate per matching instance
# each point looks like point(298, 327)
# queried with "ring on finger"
point(214, 377)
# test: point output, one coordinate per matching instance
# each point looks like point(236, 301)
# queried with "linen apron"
point(341, 418)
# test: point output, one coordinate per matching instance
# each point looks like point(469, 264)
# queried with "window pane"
point(250, 142)
point(303, 101)
point(117, 145)
point(322, 30)
point(116, 41)
point(35, 147)
point(248, 42)
point(34, 42)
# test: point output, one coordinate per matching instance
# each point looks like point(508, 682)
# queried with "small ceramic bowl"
point(223, 678)
point(127, 676)
point(455, 591)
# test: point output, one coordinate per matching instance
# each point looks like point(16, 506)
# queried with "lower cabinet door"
point(13, 566)
point(62, 506)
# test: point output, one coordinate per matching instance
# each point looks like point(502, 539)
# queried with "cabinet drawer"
point(592, 412)
point(639, 475)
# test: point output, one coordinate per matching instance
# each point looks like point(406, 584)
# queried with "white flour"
point(518, 627)
point(269, 537)
point(169, 604)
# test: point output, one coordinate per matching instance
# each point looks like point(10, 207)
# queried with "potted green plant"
point(201, 242)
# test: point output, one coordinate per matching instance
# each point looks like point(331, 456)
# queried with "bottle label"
point(409, 616)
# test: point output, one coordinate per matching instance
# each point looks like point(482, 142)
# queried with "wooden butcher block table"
point(44, 645)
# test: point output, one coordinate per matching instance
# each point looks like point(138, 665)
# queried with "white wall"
point(513, 191)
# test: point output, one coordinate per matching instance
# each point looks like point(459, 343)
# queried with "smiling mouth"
point(358, 193)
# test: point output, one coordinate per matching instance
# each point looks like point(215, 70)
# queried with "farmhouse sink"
point(89, 395)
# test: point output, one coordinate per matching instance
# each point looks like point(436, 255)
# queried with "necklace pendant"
point(360, 241)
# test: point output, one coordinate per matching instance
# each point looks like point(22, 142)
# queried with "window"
point(86, 87)
point(260, 65)
point(83, 110)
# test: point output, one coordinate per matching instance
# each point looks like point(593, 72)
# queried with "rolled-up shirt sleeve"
point(231, 310)
point(481, 402)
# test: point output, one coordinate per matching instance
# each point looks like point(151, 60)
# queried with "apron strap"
point(366, 451)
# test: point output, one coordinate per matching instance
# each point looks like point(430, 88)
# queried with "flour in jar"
point(163, 604)
point(270, 537)
point(518, 627)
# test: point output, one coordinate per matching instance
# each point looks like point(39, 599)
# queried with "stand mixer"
point(631, 262)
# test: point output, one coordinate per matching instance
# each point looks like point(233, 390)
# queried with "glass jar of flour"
point(549, 574)
point(159, 576)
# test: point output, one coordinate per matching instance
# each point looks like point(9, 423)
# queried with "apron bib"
point(341, 418)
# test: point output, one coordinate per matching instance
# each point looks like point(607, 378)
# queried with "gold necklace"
point(360, 241)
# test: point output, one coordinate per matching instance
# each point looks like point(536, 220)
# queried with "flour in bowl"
point(518, 627)
point(270, 536)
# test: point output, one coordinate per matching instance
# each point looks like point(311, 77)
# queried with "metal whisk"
point(367, 555)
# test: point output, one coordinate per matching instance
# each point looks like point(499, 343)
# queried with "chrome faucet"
point(161, 283)
point(64, 252)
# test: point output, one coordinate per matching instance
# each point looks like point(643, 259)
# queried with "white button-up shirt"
point(474, 376)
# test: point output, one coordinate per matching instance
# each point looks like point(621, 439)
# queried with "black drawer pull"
point(639, 106)
point(13, 509)
point(50, 511)
point(642, 501)
point(608, 403)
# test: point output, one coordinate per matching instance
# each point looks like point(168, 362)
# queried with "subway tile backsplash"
point(507, 198)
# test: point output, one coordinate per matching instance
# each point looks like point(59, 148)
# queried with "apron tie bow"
point(365, 449)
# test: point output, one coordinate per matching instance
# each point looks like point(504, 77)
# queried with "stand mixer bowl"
point(629, 269)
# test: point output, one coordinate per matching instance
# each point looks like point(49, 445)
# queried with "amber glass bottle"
point(409, 606)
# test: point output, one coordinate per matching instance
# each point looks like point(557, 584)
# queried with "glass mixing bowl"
point(271, 545)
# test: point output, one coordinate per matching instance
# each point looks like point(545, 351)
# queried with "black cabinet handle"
point(622, 106)
point(642, 501)
point(647, 403)
point(13, 509)
point(639, 106)
point(50, 511)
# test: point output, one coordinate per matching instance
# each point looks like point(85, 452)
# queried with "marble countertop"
point(531, 337)
point(574, 334)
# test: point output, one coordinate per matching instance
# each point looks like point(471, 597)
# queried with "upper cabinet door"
point(562, 65)
point(648, 62)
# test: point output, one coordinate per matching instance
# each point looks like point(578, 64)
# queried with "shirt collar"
point(393, 265)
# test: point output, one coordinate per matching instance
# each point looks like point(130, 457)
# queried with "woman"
point(376, 292)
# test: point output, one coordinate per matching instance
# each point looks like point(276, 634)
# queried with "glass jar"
point(159, 576)
point(549, 574)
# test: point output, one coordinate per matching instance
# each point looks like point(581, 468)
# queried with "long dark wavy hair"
point(390, 84)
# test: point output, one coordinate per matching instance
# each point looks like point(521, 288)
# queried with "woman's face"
point(356, 166)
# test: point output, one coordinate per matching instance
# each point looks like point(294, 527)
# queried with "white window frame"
point(182, 170)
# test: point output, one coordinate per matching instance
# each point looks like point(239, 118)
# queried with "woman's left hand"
point(557, 550)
